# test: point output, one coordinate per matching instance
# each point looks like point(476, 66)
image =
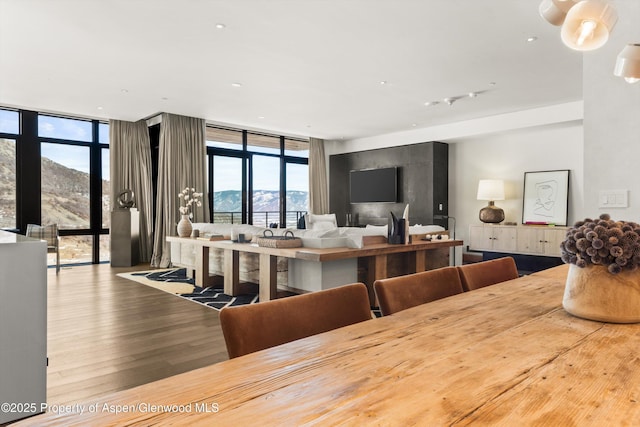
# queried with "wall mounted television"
point(374, 185)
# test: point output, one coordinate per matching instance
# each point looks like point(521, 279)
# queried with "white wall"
point(507, 156)
point(612, 120)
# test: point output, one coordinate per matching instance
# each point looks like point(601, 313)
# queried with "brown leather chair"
point(485, 273)
point(399, 293)
point(254, 327)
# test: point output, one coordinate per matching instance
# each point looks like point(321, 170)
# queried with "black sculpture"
point(397, 230)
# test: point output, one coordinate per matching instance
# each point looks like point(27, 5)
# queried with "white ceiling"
point(307, 67)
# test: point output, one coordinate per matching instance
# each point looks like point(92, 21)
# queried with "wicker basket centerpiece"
point(287, 240)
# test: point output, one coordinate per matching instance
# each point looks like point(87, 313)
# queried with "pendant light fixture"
point(588, 24)
point(628, 63)
point(554, 11)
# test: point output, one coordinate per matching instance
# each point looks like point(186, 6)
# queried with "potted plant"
point(604, 279)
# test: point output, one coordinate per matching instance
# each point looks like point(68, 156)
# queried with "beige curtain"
point(318, 194)
point(130, 169)
point(181, 163)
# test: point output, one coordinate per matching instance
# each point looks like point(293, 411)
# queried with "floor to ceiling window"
point(265, 194)
point(65, 183)
point(75, 185)
point(297, 195)
point(227, 189)
point(105, 188)
point(55, 170)
point(248, 177)
point(9, 129)
point(7, 183)
point(296, 179)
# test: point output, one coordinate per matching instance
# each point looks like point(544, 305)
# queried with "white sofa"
point(184, 255)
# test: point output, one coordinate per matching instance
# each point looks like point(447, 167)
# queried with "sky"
point(266, 173)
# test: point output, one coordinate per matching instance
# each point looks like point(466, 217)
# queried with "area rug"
point(176, 282)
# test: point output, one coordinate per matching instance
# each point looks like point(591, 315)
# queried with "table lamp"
point(491, 190)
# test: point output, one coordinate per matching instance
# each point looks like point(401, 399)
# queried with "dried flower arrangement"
point(613, 244)
point(188, 198)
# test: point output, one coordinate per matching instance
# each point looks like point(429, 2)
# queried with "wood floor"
point(108, 334)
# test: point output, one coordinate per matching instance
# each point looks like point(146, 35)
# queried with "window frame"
point(247, 173)
point(28, 175)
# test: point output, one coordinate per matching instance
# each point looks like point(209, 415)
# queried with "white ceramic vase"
point(184, 226)
point(594, 293)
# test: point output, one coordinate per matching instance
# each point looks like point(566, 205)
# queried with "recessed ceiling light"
point(221, 26)
point(99, 108)
point(431, 103)
point(383, 82)
point(531, 39)
point(236, 84)
point(473, 94)
point(261, 117)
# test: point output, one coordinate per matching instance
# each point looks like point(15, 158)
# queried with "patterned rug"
point(175, 281)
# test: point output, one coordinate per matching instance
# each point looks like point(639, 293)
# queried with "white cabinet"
point(498, 238)
point(23, 326)
point(540, 240)
point(522, 239)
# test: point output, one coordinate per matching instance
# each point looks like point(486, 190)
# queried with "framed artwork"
point(546, 197)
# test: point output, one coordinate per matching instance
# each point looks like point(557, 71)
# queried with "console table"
point(374, 255)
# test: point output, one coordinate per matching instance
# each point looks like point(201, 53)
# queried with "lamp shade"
point(588, 24)
point(554, 11)
point(628, 63)
point(491, 189)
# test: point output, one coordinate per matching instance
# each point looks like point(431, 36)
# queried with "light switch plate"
point(613, 199)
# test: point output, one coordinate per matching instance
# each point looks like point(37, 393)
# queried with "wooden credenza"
point(517, 239)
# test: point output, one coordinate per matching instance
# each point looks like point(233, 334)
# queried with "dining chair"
point(485, 273)
point(399, 293)
point(48, 233)
point(255, 327)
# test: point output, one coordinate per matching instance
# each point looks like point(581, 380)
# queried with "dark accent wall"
point(423, 183)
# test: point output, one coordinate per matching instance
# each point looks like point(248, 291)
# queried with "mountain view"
point(65, 191)
point(266, 206)
point(7, 183)
point(263, 201)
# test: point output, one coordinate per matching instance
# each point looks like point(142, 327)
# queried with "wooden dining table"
point(506, 354)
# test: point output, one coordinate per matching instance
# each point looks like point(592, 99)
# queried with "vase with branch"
point(189, 200)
